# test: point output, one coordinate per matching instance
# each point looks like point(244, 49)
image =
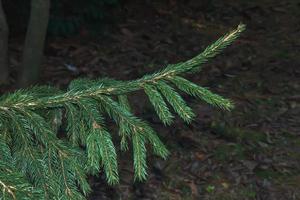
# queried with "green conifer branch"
point(159, 104)
point(39, 162)
point(126, 86)
point(176, 101)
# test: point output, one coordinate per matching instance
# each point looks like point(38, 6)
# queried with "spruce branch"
point(40, 162)
point(14, 184)
point(123, 87)
point(123, 125)
point(176, 101)
point(159, 104)
point(201, 93)
point(139, 156)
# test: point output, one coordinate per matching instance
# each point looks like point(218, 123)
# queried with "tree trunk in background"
point(34, 42)
point(4, 32)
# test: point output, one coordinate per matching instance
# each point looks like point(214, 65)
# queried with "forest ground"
point(252, 152)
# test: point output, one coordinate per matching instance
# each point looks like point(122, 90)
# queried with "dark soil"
point(252, 152)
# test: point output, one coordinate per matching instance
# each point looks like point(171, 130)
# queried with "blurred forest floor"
point(250, 153)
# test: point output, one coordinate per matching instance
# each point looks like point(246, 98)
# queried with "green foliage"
point(201, 93)
point(39, 162)
point(159, 104)
point(176, 101)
